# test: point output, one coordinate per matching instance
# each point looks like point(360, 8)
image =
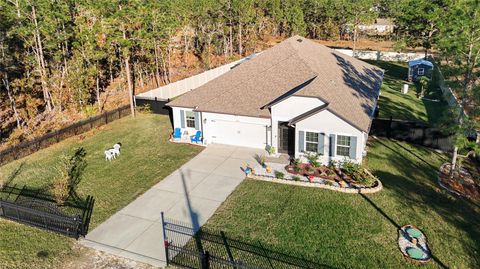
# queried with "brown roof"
point(296, 66)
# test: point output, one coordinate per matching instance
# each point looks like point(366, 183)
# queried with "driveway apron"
point(190, 195)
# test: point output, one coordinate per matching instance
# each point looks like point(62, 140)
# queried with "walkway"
point(193, 192)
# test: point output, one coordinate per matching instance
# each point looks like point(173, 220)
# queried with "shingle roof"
point(296, 66)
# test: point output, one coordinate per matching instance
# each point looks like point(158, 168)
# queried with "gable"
point(294, 106)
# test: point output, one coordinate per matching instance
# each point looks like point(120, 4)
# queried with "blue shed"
point(418, 68)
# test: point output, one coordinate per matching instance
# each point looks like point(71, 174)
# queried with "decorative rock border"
point(377, 188)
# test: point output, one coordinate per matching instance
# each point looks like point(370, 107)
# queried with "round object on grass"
point(415, 253)
point(413, 232)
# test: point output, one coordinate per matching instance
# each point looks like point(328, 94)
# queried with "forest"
point(64, 60)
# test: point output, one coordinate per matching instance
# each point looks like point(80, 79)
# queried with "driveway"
point(193, 192)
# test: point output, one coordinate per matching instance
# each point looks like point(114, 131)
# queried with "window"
point(421, 71)
point(311, 142)
point(190, 119)
point(343, 145)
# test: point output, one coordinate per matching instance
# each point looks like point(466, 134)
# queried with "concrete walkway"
point(194, 191)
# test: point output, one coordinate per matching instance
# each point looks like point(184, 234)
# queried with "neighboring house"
point(298, 96)
point(418, 68)
point(381, 26)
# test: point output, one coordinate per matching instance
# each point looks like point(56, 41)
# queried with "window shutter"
point(321, 144)
point(301, 141)
point(353, 147)
point(197, 120)
point(332, 145)
point(182, 119)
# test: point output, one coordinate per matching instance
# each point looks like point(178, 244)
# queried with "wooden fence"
point(28, 147)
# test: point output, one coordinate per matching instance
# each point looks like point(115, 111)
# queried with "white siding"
point(289, 109)
point(235, 130)
point(328, 123)
point(177, 119)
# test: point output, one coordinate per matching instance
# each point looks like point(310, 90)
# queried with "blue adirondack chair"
point(177, 134)
point(196, 138)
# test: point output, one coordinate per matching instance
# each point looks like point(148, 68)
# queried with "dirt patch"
point(86, 258)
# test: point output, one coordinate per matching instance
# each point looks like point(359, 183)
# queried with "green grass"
point(406, 106)
point(355, 231)
point(146, 158)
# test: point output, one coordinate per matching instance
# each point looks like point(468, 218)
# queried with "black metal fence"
point(205, 248)
point(412, 132)
point(35, 208)
point(29, 147)
point(157, 106)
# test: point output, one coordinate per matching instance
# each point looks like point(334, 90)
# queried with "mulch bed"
point(322, 171)
point(462, 183)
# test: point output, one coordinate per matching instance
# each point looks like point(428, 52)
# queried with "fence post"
point(227, 247)
point(165, 240)
point(205, 257)
point(389, 129)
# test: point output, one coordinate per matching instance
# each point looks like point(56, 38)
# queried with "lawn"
point(359, 231)
point(394, 104)
point(147, 157)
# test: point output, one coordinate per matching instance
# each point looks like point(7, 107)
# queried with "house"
point(299, 97)
point(381, 26)
point(418, 68)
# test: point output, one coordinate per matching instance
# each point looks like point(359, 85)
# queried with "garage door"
point(239, 134)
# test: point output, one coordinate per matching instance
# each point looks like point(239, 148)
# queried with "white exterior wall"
point(235, 130)
point(177, 120)
point(328, 123)
point(289, 109)
point(228, 129)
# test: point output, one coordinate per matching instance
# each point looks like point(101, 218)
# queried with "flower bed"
point(321, 177)
point(462, 182)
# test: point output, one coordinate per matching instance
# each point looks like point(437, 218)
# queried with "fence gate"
point(189, 248)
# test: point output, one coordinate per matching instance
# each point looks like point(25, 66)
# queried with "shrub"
point(296, 178)
point(272, 150)
point(146, 109)
point(297, 168)
point(69, 174)
point(279, 175)
point(351, 168)
point(313, 159)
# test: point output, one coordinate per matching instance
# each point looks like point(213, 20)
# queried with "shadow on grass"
point(392, 221)
point(227, 252)
point(416, 189)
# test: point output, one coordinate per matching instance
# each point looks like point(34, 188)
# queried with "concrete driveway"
point(191, 195)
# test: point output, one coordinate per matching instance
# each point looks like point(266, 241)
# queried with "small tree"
point(423, 82)
point(69, 173)
point(459, 43)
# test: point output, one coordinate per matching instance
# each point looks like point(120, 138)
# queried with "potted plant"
point(272, 151)
point(268, 169)
point(262, 161)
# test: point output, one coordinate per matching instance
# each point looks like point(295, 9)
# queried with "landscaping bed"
point(462, 182)
point(344, 176)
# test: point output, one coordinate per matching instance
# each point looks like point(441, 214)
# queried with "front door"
point(286, 139)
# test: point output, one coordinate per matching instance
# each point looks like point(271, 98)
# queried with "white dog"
point(117, 147)
point(114, 152)
point(108, 155)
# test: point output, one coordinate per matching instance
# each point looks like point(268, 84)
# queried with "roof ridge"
point(260, 73)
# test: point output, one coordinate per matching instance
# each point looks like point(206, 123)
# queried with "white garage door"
point(239, 134)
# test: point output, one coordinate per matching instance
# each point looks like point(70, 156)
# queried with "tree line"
point(59, 56)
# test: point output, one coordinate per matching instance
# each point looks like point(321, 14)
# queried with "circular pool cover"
point(415, 253)
point(413, 232)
